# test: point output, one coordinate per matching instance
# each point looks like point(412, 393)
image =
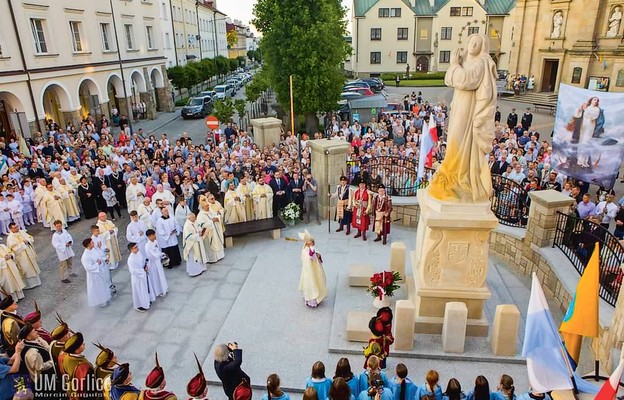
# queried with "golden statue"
point(464, 174)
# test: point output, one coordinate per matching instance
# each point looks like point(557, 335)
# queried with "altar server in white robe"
point(145, 212)
point(16, 209)
point(193, 248)
point(94, 263)
point(165, 196)
point(154, 255)
point(109, 231)
point(135, 231)
point(21, 244)
point(157, 212)
point(135, 194)
point(168, 231)
point(138, 267)
point(99, 244)
point(182, 211)
point(209, 222)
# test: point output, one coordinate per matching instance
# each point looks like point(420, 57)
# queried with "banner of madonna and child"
point(588, 138)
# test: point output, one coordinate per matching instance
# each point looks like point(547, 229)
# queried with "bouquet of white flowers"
point(291, 212)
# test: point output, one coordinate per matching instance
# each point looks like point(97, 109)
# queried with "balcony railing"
point(509, 202)
point(398, 175)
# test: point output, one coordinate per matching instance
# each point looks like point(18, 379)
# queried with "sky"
point(243, 9)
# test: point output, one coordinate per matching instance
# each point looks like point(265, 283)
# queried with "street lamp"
point(123, 79)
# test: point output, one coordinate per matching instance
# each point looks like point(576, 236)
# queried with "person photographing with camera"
point(375, 389)
point(310, 199)
point(227, 364)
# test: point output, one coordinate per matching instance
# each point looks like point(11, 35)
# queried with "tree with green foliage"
point(223, 110)
point(250, 54)
point(242, 60)
point(304, 39)
point(179, 77)
point(241, 109)
point(258, 85)
point(233, 64)
point(222, 65)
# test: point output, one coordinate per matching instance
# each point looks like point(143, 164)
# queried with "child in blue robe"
point(402, 387)
point(343, 370)
point(453, 391)
point(481, 390)
point(372, 366)
point(318, 381)
point(274, 392)
point(430, 389)
point(505, 390)
point(375, 386)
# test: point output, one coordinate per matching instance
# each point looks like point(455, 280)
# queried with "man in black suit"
point(295, 188)
point(499, 167)
point(279, 186)
point(512, 119)
point(35, 172)
point(527, 119)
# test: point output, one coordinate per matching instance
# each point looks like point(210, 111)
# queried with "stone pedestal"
point(360, 274)
point(454, 329)
point(543, 216)
point(505, 330)
point(450, 262)
point(404, 325)
point(329, 158)
point(397, 258)
point(165, 101)
point(150, 106)
point(266, 131)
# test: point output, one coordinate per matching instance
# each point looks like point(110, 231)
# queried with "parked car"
point(355, 84)
point(222, 92)
point(197, 107)
point(375, 85)
point(210, 93)
point(361, 90)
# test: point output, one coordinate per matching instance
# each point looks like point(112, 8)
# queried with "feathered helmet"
point(197, 386)
point(156, 377)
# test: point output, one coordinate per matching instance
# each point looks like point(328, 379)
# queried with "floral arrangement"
point(383, 284)
point(292, 212)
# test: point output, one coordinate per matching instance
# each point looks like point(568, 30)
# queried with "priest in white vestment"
point(94, 263)
point(145, 212)
point(137, 265)
point(263, 200)
point(136, 230)
point(40, 205)
point(168, 231)
point(135, 194)
point(182, 211)
point(244, 190)
point(234, 206)
point(54, 207)
point(166, 196)
point(193, 252)
point(68, 194)
point(10, 276)
point(312, 282)
point(209, 222)
point(109, 231)
point(154, 255)
point(21, 244)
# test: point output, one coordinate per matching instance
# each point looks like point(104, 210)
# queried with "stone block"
point(229, 242)
point(357, 326)
point(404, 316)
point(505, 330)
point(276, 233)
point(397, 258)
point(360, 274)
point(454, 327)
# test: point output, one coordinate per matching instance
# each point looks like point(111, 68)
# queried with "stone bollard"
point(454, 328)
point(404, 317)
point(505, 330)
point(397, 258)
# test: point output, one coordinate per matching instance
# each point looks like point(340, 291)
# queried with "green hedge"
point(182, 102)
point(413, 76)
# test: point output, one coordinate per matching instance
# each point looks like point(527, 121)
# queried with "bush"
point(181, 102)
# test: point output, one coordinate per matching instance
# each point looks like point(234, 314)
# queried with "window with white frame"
point(401, 57)
point(395, 12)
point(446, 33)
point(149, 32)
point(129, 34)
point(375, 57)
point(105, 30)
point(472, 30)
point(74, 27)
point(38, 30)
point(445, 56)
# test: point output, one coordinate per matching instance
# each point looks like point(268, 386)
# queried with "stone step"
point(360, 274)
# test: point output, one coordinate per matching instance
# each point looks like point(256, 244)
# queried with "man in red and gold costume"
point(361, 206)
point(382, 207)
point(381, 336)
point(156, 383)
point(197, 387)
point(59, 335)
point(10, 324)
point(105, 364)
point(34, 318)
point(80, 373)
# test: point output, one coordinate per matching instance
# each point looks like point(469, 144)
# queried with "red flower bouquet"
point(383, 284)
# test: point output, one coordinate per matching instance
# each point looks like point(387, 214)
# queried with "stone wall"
point(405, 215)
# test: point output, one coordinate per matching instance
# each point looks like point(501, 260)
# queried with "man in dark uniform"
point(118, 185)
point(279, 186)
point(512, 119)
point(295, 187)
point(122, 387)
point(156, 383)
point(497, 115)
point(10, 323)
point(527, 119)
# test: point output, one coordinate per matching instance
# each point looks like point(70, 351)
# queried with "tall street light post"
point(121, 70)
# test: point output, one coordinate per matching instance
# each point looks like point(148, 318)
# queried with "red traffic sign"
point(212, 122)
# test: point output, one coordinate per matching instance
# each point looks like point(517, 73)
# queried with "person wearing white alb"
point(135, 231)
point(156, 272)
point(62, 242)
point(137, 264)
point(94, 263)
point(193, 248)
point(168, 231)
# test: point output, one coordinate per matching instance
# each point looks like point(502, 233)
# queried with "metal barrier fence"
point(398, 175)
point(510, 202)
point(577, 237)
